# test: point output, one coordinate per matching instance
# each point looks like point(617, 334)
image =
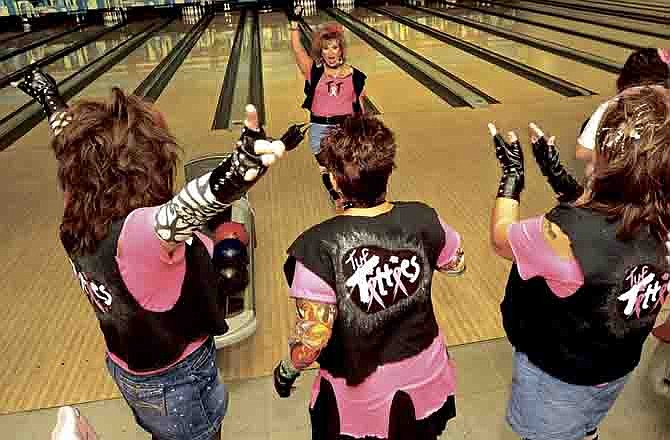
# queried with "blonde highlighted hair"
point(328, 32)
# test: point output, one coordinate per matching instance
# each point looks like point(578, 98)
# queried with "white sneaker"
point(66, 425)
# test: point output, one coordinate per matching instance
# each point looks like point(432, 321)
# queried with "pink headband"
point(664, 55)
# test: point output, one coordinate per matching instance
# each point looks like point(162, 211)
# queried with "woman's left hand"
point(510, 157)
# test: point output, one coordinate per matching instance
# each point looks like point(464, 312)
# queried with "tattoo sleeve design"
point(312, 331)
point(456, 265)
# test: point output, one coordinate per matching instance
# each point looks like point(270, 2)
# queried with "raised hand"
point(295, 14)
point(294, 135)
point(510, 157)
point(44, 89)
point(546, 155)
point(256, 151)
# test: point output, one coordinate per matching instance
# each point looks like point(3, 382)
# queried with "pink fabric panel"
point(334, 96)
point(534, 257)
point(151, 274)
point(307, 285)
point(429, 378)
point(452, 241)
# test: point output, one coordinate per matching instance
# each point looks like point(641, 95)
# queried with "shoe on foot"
point(70, 425)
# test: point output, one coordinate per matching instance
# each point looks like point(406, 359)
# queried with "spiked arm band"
point(206, 196)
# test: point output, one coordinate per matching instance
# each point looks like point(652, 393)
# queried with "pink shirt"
point(334, 96)
point(428, 377)
point(534, 257)
point(153, 276)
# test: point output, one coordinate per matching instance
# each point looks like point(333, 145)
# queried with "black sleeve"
point(309, 250)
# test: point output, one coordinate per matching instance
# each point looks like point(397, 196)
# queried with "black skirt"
point(403, 424)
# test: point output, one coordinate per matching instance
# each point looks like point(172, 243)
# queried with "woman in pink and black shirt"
point(333, 88)
point(362, 285)
point(590, 276)
point(136, 251)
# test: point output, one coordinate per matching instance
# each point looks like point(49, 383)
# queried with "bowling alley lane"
point(615, 34)
point(614, 19)
point(7, 44)
point(577, 73)
point(23, 59)
point(127, 74)
point(647, 8)
point(190, 98)
point(609, 51)
point(130, 71)
point(488, 77)
point(11, 98)
point(387, 84)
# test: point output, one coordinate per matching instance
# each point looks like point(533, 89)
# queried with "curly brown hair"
point(644, 67)
point(631, 176)
point(360, 153)
point(328, 32)
point(114, 157)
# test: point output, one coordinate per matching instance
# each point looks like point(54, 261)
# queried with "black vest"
point(148, 340)
point(381, 269)
point(315, 75)
point(596, 334)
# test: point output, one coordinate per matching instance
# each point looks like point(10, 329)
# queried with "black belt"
point(328, 120)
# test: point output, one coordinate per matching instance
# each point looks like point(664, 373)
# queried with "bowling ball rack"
point(240, 308)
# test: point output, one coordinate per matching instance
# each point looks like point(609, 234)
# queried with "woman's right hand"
point(295, 14)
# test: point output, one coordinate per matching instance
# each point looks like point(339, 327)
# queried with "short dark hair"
point(643, 67)
point(631, 175)
point(113, 158)
point(360, 153)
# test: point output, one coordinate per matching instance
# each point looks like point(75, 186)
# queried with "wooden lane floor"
point(615, 34)
point(190, 98)
point(11, 99)
point(490, 78)
point(54, 348)
point(26, 58)
point(569, 70)
point(14, 42)
point(595, 16)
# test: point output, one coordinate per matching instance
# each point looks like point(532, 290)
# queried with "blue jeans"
point(186, 402)
point(545, 408)
point(316, 133)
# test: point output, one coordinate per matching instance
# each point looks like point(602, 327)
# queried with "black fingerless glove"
point(43, 88)
point(294, 135)
point(294, 14)
point(564, 185)
point(229, 181)
point(510, 157)
point(283, 380)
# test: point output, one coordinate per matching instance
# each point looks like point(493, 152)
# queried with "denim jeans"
point(186, 402)
point(316, 133)
point(544, 407)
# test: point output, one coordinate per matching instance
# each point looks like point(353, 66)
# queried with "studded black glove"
point(44, 89)
point(283, 380)
point(510, 157)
